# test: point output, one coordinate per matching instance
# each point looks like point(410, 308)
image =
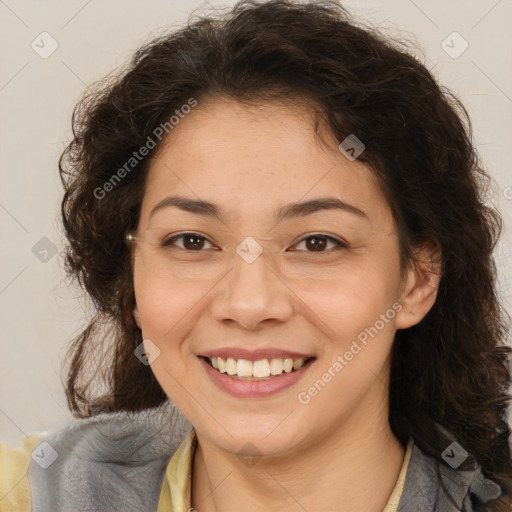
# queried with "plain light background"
point(40, 313)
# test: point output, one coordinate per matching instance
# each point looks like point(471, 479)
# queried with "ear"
point(136, 316)
point(419, 291)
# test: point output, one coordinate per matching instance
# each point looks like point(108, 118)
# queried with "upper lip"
point(255, 355)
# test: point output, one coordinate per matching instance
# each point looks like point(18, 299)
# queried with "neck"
point(350, 469)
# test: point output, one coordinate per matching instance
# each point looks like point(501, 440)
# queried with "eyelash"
point(342, 245)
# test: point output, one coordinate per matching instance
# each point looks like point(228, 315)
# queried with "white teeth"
point(276, 366)
point(288, 365)
point(244, 368)
point(259, 369)
point(231, 366)
point(298, 364)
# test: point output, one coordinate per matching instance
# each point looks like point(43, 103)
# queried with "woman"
point(280, 218)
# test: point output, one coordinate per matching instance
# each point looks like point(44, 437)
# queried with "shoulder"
point(102, 463)
point(14, 485)
point(432, 485)
point(109, 462)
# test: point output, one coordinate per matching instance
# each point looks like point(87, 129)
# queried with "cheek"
point(350, 301)
point(166, 303)
point(357, 318)
point(168, 311)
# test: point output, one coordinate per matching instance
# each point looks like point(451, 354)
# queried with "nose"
point(252, 295)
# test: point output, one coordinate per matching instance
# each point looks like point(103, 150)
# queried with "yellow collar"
point(177, 485)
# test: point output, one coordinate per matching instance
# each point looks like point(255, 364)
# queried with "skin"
point(336, 452)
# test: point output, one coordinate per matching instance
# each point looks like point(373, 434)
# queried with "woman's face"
point(260, 286)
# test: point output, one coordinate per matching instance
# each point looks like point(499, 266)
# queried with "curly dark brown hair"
point(451, 371)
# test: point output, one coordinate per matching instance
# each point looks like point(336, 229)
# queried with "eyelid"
point(339, 242)
point(168, 241)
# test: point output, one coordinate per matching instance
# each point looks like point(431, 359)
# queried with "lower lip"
point(254, 389)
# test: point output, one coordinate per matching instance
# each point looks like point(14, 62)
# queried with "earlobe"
point(420, 291)
point(136, 316)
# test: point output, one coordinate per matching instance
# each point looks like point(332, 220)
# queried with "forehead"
point(254, 158)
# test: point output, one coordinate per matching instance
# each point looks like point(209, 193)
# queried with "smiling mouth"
point(263, 369)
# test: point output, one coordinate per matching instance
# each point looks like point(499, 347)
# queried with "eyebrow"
point(292, 210)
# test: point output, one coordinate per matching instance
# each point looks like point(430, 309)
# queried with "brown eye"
point(190, 242)
point(193, 242)
point(316, 243)
point(319, 243)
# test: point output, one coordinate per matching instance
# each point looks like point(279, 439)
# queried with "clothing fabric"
point(178, 479)
point(134, 462)
point(176, 489)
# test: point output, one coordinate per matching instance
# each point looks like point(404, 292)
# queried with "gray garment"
point(117, 463)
